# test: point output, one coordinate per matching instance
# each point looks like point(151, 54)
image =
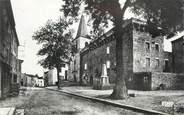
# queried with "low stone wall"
point(156, 81)
point(171, 81)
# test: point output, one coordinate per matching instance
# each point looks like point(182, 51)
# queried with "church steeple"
point(82, 29)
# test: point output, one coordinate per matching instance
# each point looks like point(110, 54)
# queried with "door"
point(66, 77)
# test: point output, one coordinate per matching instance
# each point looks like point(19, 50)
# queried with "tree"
point(166, 14)
point(55, 39)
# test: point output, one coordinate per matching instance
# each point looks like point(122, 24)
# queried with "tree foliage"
point(166, 14)
point(55, 43)
point(55, 39)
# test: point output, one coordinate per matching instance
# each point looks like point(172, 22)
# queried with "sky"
point(29, 16)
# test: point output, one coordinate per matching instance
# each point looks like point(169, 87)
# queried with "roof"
point(181, 39)
point(29, 75)
point(40, 77)
point(82, 28)
point(21, 61)
point(177, 37)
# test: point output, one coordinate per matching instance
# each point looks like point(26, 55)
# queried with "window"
point(108, 50)
point(157, 47)
point(145, 79)
point(85, 66)
point(147, 62)
point(108, 63)
point(147, 46)
point(157, 63)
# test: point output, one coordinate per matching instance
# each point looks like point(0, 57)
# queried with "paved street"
point(150, 100)
point(46, 102)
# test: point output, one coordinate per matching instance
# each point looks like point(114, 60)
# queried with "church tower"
point(82, 35)
point(82, 38)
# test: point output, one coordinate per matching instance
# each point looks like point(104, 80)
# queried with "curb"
point(124, 106)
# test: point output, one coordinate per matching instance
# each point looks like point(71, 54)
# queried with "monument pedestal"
point(102, 82)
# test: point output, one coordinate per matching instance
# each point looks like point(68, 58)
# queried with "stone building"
point(144, 53)
point(178, 55)
point(8, 49)
point(150, 67)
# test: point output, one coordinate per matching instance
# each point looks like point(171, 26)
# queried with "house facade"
point(8, 49)
point(50, 76)
point(40, 82)
point(29, 80)
point(147, 65)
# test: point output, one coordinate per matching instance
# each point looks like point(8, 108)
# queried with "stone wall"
point(156, 81)
point(144, 48)
point(94, 59)
point(166, 81)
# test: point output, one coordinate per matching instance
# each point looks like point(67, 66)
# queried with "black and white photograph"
point(91, 57)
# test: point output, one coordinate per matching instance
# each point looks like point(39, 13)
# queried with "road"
point(47, 102)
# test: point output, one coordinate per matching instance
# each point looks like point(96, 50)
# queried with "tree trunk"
point(120, 90)
point(59, 81)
